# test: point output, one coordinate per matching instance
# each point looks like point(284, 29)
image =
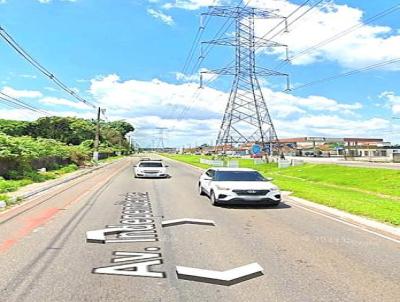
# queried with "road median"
point(333, 192)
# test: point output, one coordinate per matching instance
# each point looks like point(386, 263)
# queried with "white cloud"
point(28, 76)
point(63, 102)
point(192, 4)
point(367, 45)
point(153, 96)
point(393, 101)
point(195, 77)
point(284, 104)
point(161, 16)
point(193, 114)
point(21, 93)
point(19, 114)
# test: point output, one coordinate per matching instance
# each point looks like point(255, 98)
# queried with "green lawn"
point(373, 193)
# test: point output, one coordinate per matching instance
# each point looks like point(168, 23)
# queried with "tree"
point(121, 126)
point(13, 128)
point(69, 130)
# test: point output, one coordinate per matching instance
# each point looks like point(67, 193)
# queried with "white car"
point(238, 186)
point(150, 168)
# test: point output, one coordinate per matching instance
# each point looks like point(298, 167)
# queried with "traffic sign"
point(256, 149)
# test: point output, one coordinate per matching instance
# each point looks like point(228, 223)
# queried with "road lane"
point(305, 257)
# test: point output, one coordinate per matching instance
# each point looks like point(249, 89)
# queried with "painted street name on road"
point(136, 264)
point(137, 224)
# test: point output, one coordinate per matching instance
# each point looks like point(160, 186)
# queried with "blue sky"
point(127, 55)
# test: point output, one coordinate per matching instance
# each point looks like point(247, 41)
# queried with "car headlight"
point(274, 189)
point(222, 187)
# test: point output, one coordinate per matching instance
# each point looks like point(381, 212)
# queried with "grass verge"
point(373, 193)
point(7, 186)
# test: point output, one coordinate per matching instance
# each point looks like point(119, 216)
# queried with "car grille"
point(251, 192)
point(151, 172)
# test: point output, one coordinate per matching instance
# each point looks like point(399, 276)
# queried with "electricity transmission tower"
point(160, 137)
point(246, 118)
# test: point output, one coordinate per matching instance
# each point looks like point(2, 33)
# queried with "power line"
point(349, 73)
point(195, 96)
point(219, 34)
point(284, 22)
point(344, 32)
point(228, 23)
point(7, 37)
point(16, 103)
point(287, 24)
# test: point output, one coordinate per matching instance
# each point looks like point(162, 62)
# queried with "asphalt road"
point(44, 255)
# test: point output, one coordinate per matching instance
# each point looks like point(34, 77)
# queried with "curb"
point(63, 181)
point(337, 214)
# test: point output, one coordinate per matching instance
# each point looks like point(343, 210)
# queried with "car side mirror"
point(269, 179)
point(207, 178)
point(166, 166)
point(135, 166)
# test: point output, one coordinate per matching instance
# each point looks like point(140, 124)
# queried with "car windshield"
point(238, 176)
point(150, 165)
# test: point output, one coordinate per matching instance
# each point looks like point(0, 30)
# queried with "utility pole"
point(97, 137)
point(246, 118)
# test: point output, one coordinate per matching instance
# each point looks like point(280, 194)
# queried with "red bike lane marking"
point(30, 224)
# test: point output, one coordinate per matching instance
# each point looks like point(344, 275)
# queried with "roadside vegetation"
point(52, 146)
point(373, 193)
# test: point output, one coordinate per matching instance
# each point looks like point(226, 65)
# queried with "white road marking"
point(99, 236)
point(345, 222)
point(174, 222)
point(141, 269)
point(228, 277)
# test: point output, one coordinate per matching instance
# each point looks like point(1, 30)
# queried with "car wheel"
point(213, 199)
point(201, 191)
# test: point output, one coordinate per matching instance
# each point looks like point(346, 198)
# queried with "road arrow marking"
point(99, 236)
point(174, 222)
point(226, 278)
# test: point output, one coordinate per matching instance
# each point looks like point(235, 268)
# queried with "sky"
point(132, 58)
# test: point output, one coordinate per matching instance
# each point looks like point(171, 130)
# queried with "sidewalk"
point(343, 162)
point(36, 188)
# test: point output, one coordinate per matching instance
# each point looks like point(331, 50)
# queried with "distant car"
point(238, 186)
point(151, 168)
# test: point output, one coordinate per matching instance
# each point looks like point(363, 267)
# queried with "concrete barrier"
point(259, 161)
point(233, 164)
point(284, 163)
point(214, 163)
